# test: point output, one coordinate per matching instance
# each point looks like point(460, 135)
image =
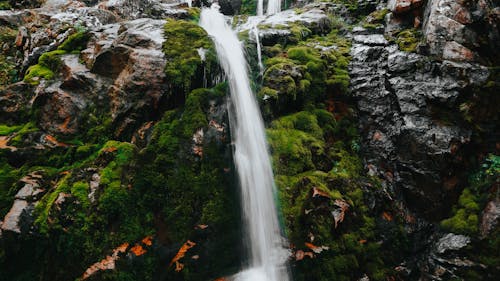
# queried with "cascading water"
point(273, 7)
point(268, 255)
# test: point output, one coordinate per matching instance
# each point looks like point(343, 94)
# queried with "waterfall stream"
point(267, 251)
point(273, 7)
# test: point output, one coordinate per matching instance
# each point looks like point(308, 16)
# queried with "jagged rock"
point(451, 242)
point(462, 30)
point(398, 95)
point(19, 219)
point(15, 102)
point(135, 9)
point(230, 7)
point(61, 112)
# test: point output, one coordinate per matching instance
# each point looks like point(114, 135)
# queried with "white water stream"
point(267, 251)
point(273, 7)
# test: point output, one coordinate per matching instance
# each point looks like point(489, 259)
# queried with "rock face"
point(411, 109)
point(400, 96)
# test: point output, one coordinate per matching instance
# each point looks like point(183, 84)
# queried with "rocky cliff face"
point(115, 153)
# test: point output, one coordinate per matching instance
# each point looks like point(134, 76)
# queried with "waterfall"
point(260, 7)
point(267, 253)
point(255, 31)
point(273, 7)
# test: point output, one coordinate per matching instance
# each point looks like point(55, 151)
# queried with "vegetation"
point(8, 72)
point(465, 218)
point(408, 40)
point(183, 59)
point(50, 63)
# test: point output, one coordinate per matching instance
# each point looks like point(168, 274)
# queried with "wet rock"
point(15, 102)
point(230, 7)
point(60, 111)
point(19, 220)
point(451, 242)
point(401, 98)
point(135, 9)
point(462, 30)
point(491, 213)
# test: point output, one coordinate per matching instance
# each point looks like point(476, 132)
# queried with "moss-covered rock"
point(184, 40)
point(8, 70)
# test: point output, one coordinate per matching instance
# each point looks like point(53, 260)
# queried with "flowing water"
point(273, 7)
point(267, 253)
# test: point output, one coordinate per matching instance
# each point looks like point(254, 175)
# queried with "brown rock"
point(457, 52)
point(491, 213)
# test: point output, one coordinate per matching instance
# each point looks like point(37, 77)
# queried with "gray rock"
point(451, 242)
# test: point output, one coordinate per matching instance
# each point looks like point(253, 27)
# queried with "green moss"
point(182, 40)
point(23, 131)
point(38, 71)
point(5, 5)
point(7, 130)
point(465, 217)
point(75, 42)
point(408, 40)
point(50, 63)
point(8, 69)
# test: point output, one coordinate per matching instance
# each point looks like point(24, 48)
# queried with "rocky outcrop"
point(402, 97)
point(462, 30)
point(19, 220)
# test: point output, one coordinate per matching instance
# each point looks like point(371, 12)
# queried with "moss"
point(38, 71)
point(8, 69)
point(7, 130)
point(408, 40)
point(188, 189)
point(182, 39)
point(5, 5)
point(27, 128)
point(194, 13)
point(75, 42)
point(49, 63)
point(465, 215)
point(377, 16)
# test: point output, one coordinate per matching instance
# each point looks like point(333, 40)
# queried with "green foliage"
point(182, 40)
